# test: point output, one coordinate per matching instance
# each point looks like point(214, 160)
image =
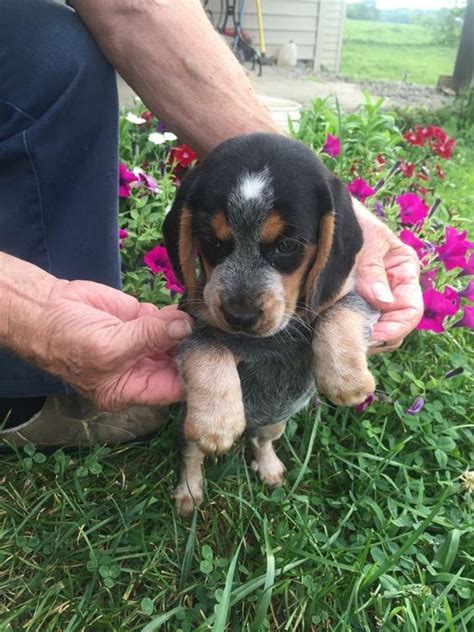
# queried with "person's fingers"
point(157, 388)
point(372, 283)
point(384, 346)
point(396, 325)
point(149, 335)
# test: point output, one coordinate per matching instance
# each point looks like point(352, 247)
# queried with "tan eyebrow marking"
point(272, 228)
point(221, 226)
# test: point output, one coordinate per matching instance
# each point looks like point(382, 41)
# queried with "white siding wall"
point(314, 25)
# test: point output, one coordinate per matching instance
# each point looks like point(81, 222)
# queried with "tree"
point(464, 68)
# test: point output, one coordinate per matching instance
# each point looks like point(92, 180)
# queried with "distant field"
point(395, 52)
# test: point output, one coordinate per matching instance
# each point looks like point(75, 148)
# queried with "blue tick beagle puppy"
point(264, 239)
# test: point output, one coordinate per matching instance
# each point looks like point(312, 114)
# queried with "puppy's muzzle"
point(241, 316)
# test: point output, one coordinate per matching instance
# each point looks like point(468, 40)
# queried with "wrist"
point(24, 293)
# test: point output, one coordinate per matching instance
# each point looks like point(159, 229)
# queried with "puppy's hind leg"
point(266, 463)
point(188, 493)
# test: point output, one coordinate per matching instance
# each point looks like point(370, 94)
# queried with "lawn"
point(374, 527)
point(374, 51)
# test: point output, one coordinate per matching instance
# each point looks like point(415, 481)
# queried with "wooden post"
point(464, 68)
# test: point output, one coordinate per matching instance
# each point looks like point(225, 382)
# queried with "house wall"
point(314, 25)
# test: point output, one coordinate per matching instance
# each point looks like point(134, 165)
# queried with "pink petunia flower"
point(149, 182)
point(122, 236)
point(157, 260)
point(453, 252)
point(360, 189)
point(421, 248)
point(468, 292)
point(126, 177)
point(468, 318)
point(412, 209)
point(332, 146)
point(468, 268)
point(427, 279)
point(437, 307)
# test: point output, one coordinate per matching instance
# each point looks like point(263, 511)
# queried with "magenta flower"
point(416, 406)
point(412, 208)
point(453, 252)
point(360, 189)
point(427, 279)
point(332, 146)
point(122, 235)
point(149, 182)
point(468, 292)
point(410, 239)
point(437, 307)
point(368, 401)
point(468, 268)
point(126, 177)
point(468, 318)
point(157, 261)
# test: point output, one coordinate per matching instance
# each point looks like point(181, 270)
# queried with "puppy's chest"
point(277, 379)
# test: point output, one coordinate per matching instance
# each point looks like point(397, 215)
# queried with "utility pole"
point(463, 75)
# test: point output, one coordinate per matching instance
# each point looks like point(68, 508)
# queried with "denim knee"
point(45, 52)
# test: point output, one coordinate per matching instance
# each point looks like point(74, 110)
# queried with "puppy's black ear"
point(178, 237)
point(339, 241)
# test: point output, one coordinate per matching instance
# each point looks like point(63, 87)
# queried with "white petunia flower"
point(133, 118)
point(156, 138)
point(170, 136)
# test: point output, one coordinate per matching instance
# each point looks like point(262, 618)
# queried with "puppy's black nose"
point(239, 315)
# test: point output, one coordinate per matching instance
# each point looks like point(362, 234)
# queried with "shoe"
point(71, 420)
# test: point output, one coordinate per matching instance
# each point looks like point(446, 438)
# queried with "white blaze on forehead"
point(252, 185)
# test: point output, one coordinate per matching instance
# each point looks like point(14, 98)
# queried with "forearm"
point(24, 291)
point(168, 51)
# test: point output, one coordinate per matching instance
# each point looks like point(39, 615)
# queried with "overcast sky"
point(412, 4)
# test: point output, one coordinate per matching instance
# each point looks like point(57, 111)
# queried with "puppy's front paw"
point(187, 499)
point(347, 388)
point(216, 428)
point(270, 469)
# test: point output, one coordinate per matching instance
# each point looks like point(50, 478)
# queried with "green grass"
point(374, 51)
point(372, 529)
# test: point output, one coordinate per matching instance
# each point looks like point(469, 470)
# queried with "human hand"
point(387, 273)
point(114, 350)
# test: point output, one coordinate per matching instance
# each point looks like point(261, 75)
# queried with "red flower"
point(437, 307)
point(158, 261)
point(380, 160)
point(332, 146)
point(183, 155)
point(444, 149)
point(412, 208)
point(453, 252)
point(407, 168)
point(122, 236)
point(360, 189)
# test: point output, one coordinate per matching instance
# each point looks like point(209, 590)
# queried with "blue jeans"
point(58, 158)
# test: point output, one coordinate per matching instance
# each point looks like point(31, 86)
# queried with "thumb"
point(372, 284)
point(150, 334)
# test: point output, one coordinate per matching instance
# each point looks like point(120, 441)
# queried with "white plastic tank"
point(288, 54)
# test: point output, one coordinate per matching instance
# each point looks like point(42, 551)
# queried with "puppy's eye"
point(213, 242)
point(286, 247)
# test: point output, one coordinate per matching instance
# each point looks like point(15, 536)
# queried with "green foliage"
point(444, 26)
point(374, 51)
point(372, 531)
point(363, 11)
